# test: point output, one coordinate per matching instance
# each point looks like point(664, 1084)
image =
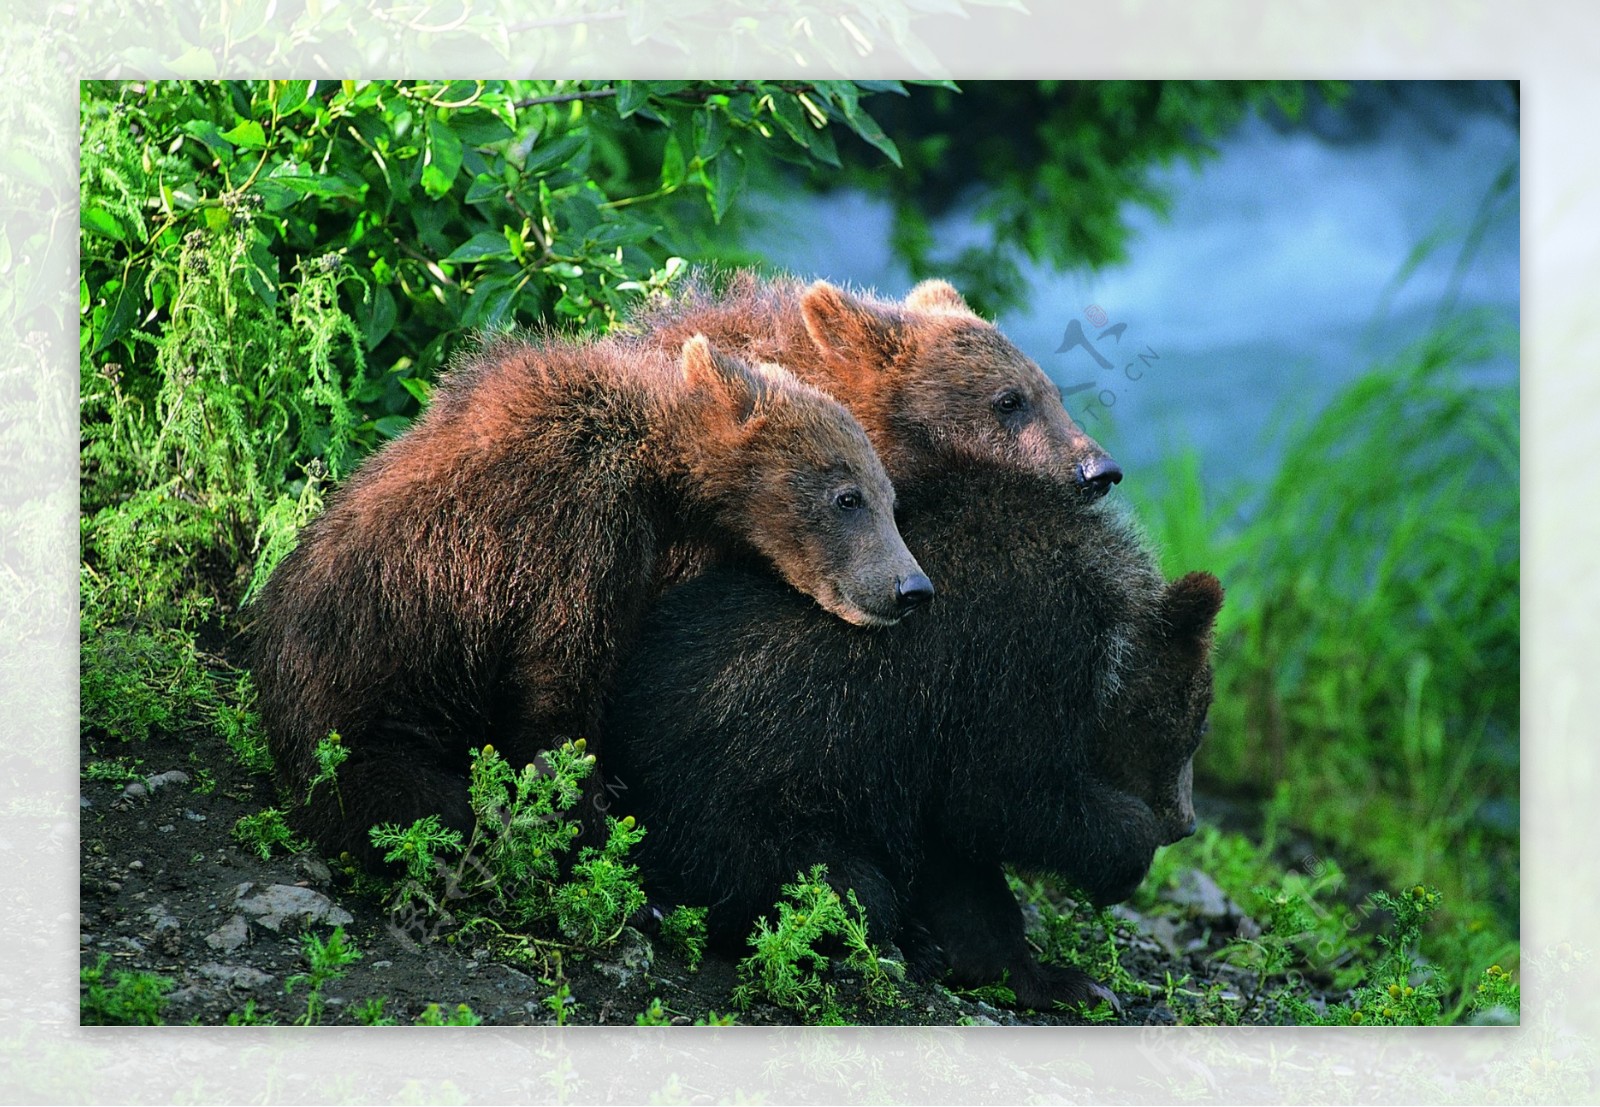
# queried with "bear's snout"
point(1097, 475)
point(912, 591)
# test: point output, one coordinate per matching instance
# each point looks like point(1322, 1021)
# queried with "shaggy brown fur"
point(474, 581)
point(934, 385)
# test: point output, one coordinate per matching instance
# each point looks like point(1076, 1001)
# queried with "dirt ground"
point(165, 888)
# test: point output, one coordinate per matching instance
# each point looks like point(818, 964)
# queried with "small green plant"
point(235, 719)
point(560, 1001)
point(249, 1016)
point(653, 1015)
point(460, 1015)
point(369, 1012)
point(507, 877)
point(327, 960)
point(420, 847)
point(122, 999)
point(1082, 937)
point(1398, 990)
point(265, 831)
point(684, 930)
point(785, 967)
point(998, 994)
point(330, 753)
point(1101, 1012)
point(1497, 989)
point(117, 770)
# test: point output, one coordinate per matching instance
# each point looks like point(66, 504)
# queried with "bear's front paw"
point(1050, 985)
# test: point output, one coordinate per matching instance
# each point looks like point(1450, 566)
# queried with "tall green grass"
point(1367, 655)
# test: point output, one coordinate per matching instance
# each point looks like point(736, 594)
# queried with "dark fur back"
point(754, 739)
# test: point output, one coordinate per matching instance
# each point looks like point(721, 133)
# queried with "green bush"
point(120, 999)
point(787, 968)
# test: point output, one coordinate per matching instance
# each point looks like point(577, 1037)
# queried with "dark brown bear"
point(1043, 713)
point(934, 385)
point(474, 581)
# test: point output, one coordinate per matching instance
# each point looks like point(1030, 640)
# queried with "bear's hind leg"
point(371, 789)
point(968, 910)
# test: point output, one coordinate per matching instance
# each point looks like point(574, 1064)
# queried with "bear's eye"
point(1009, 403)
point(849, 500)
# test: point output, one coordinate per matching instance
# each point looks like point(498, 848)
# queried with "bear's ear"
point(737, 387)
point(937, 296)
point(1189, 608)
point(849, 329)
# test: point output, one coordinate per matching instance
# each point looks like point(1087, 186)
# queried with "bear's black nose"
point(1097, 475)
point(1177, 832)
point(912, 591)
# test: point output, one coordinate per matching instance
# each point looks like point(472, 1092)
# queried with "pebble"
point(136, 865)
point(242, 977)
point(1202, 895)
point(631, 956)
point(273, 905)
point(230, 935)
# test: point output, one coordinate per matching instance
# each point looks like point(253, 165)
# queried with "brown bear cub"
point(474, 581)
point(934, 385)
point(1044, 713)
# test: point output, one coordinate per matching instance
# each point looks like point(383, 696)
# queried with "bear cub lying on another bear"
point(1043, 714)
point(476, 579)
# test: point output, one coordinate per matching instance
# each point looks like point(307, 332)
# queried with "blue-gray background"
point(1295, 260)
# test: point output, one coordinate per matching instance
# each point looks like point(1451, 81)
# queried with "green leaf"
point(101, 221)
point(479, 128)
point(711, 131)
point(418, 388)
point(289, 182)
point(391, 426)
point(554, 153)
point(290, 97)
point(631, 96)
point(379, 317)
point(261, 269)
point(125, 312)
point(723, 179)
point(485, 187)
point(206, 133)
point(823, 148)
point(484, 244)
point(790, 115)
point(247, 134)
point(490, 302)
point(442, 161)
point(865, 126)
point(673, 168)
point(623, 233)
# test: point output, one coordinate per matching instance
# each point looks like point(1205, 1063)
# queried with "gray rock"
point(138, 790)
point(313, 869)
point(166, 932)
point(168, 936)
point(234, 977)
point(273, 905)
point(1202, 896)
point(230, 935)
point(631, 956)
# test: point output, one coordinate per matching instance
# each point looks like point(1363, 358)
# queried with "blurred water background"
point(1291, 262)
